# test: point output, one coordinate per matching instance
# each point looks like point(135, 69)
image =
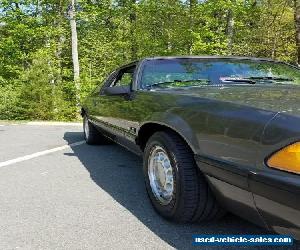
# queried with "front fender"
point(175, 122)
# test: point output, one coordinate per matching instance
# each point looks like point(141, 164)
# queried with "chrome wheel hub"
point(160, 175)
point(86, 127)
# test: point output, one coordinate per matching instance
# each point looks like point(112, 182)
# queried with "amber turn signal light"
point(287, 159)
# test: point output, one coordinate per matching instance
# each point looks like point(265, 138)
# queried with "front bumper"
point(277, 198)
point(267, 197)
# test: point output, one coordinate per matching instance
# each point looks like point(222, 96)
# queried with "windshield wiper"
point(176, 81)
point(271, 78)
point(238, 80)
point(254, 79)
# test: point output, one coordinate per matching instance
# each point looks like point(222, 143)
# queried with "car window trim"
point(108, 81)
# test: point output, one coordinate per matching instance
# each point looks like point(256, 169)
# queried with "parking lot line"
point(37, 154)
point(44, 123)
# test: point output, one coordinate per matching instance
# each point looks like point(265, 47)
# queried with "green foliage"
point(9, 96)
point(42, 95)
point(36, 76)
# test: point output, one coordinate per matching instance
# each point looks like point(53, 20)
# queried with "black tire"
point(91, 135)
point(192, 199)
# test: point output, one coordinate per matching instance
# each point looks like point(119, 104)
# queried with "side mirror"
point(117, 90)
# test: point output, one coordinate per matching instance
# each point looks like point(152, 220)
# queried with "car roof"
point(209, 57)
point(257, 59)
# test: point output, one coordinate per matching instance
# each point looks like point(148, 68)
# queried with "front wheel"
point(177, 189)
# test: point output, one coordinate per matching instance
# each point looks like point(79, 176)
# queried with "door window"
point(124, 78)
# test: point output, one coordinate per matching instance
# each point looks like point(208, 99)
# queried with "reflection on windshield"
point(186, 72)
point(180, 83)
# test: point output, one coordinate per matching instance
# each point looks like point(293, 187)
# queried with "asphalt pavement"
point(56, 192)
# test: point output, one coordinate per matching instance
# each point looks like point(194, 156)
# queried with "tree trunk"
point(192, 6)
point(59, 40)
point(74, 45)
point(230, 30)
point(132, 18)
point(297, 27)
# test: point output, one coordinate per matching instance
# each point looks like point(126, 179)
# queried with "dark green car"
point(215, 133)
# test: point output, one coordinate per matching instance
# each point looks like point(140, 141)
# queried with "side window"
point(124, 78)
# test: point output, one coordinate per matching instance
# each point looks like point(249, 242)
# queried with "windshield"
point(185, 72)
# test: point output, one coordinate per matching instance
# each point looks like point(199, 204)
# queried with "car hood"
point(277, 98)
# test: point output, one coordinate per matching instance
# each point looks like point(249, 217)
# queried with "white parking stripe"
point(37, 154)
point(55, 123)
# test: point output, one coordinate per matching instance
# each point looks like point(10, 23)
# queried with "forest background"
point(53, 52)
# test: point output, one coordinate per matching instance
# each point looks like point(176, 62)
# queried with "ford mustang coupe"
point(216, 134)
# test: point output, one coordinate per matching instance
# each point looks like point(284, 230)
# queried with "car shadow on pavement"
point(119, 173)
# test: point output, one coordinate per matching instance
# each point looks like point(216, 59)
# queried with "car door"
point(114, 111)
point(92, 102)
